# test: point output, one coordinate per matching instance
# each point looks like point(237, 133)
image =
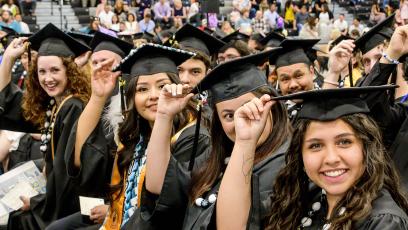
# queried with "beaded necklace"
point(48, 126)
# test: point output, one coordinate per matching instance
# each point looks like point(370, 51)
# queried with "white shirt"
point(340, 25)
point(106, 18)
point(270, 18)
point(24, 28)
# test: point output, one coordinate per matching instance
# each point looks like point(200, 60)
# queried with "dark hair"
point(240, 46)
point(290, 189)
point(134, 125)
point(222, 146)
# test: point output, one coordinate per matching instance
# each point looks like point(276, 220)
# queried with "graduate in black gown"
point(390, 114)
point(150, 67)
point(55, 94)
point(295, 70)
point(169, 184)
point(337, 146)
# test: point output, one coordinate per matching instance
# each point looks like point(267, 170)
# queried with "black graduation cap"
point(51, 41)
point(189, 36)
point(102, 41)
point(295, 51)
point(235, 36)
point(234, 78)
point(152, 58)
point(336, 41)
point(10, 35)
point(273, 39)
point(330, 104)
point(376, 35)
point(81, 37)
point(229, 80)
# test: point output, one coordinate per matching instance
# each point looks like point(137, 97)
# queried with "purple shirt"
point(161, 11)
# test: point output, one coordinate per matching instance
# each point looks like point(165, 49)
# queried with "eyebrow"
point(158, 81)
point(336, 137)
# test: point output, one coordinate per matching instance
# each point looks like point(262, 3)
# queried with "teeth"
point(334, 173)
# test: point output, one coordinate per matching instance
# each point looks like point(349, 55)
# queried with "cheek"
point(311, 164)
point(229, 129)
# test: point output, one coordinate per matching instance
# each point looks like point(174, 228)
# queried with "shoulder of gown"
point(385, 215)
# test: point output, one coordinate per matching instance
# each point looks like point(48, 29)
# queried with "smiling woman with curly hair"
point(56, 93)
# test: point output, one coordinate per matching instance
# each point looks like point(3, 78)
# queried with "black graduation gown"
point(167, 210)
point(61, 198)
point(385, 215)
point(391, 118)
point(174, 197)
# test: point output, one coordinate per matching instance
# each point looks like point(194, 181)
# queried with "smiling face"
point(147, 94)
point(226, 110)
point(52, 75)
point(295, 78)
point(333, 156)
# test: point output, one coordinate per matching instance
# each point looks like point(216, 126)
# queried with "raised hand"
point(172, 100)
point(340, 56)
point(103, 80)
point(16, 48)
point(398, 45)
point(250, 119)
point(98, 213)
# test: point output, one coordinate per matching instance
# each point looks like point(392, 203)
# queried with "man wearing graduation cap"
point(294, 68)
point(203, 44)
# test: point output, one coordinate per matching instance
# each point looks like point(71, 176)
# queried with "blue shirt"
point(146, 27)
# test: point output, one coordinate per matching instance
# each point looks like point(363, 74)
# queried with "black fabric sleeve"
point(11, 113)
point(97, 153)
point(386, 222)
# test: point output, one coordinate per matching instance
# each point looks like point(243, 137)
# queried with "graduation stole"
point(114, 217)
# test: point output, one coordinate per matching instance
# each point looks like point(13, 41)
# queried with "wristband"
point(390, 59)
point(331, 82)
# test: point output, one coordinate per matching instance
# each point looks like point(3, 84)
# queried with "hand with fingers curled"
point(16, 48)
point(103, 80)
point(340, 56)
point(251, 118)
point(173, 99)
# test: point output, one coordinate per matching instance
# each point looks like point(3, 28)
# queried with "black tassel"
point(122, 84)
point(393, 82)
point(196, 136)
point(350, 70)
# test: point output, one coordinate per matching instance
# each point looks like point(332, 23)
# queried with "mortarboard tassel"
point(350, 70)
point(122, 84)
point(196, 134)
point(393, 82)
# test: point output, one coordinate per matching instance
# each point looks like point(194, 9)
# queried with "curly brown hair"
point(35, 99)
point(290, 195)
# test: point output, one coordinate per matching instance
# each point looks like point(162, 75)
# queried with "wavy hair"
point(290, 189)
point(35, 99)
point(222, 146)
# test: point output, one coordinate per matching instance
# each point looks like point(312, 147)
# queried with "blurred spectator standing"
point(147, 24)
point(105, 17)
point(325, 22)
point(302, 16)
point(271, 16)
point(290, 15)
point(162, 13)
point(8, 20)
point(341, 24)
point(259, 24)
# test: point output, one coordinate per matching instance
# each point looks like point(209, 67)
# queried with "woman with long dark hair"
point(231, 84)
point(55, 95)
point(338, 147)
point(150, 67)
